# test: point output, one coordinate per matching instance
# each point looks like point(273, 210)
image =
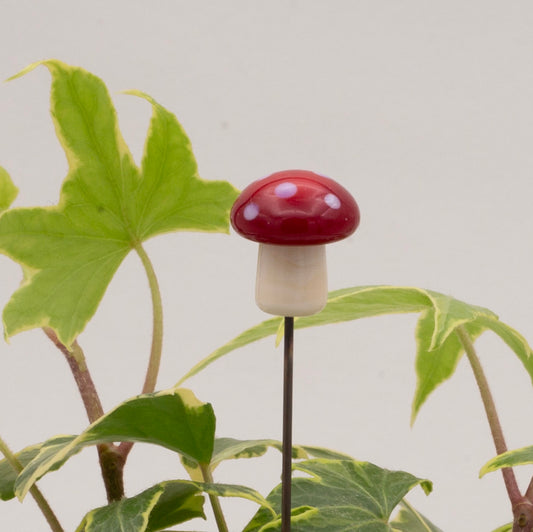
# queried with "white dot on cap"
point(332, 201)
point(250, 211)
point(285, 190)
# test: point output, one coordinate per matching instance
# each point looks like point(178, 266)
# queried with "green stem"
point(157, 335)
point(157, 331)
point(490, 409)
point(34, 490)
point(215, 503)
point(111, 461)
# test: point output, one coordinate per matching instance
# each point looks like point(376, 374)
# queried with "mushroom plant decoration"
point(293, 214)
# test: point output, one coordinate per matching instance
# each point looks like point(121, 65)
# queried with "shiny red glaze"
point(295, 207)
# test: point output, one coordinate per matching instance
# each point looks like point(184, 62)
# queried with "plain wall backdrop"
point(423, 110)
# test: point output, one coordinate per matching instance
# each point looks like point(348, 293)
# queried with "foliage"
point(107, 207)
point(8, 191)
point(70, 252)
point(409, 520)
point(438, 348)
point(340, 495)
point(512, 458)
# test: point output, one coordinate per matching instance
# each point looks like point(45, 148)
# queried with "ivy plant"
point(69, 253)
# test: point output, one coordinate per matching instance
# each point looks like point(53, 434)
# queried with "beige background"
point(422, 109)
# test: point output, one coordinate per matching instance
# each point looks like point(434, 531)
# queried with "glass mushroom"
point(292, 215)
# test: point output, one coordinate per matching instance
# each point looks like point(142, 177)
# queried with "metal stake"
point(286, 472)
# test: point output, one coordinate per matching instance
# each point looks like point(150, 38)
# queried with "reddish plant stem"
point(529, 491)
point(523, 512)
point(523, 516)
point(78, 366)
point(111, 460)
point(124, 449)
point(522, 507)
point(490, 409)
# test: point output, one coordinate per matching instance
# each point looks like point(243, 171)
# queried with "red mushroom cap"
point(295, 208)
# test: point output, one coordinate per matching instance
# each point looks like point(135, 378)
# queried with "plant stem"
point(78, 366)
point(112, 465)
point(34, 490)
point(529, 491)
point(492, 415)
point(157, 334)
point(286, 470)
point(215, 503)
point(157, 331)
point(111, 461)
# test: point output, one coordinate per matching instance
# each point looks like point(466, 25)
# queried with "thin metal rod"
point(286, 472)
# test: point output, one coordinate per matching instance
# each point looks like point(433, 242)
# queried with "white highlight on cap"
point(332, 201)
point(250, 211)
point(286, 190)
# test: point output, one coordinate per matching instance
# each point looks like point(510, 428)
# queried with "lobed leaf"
point(8, 191)
point(173, 419)
point(435, 366)
point(107, 206)
point(450, 313)
point(343, 305)
point(340, 495)
point(258, 332)
point(170, 195)
point(514, 340)
point(410, 520)
point(438, 348)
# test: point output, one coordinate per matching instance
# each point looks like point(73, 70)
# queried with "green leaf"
point(321, 452)
point(127, 515)
point(264, 329)
point(343, 305)
point(438, 349)
point(174, 419)
point(171, 196)
point(165, 504)
point(8, 191)
point(107, 206)
point(232, 449)
point(179, 502)
point(435, 366)
point(232, 490)
point(340, 495)
point(514, 340)
point(409, 520)
point(450, 313)
point(512, 458)
point(505, 528)
point(40, 451)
